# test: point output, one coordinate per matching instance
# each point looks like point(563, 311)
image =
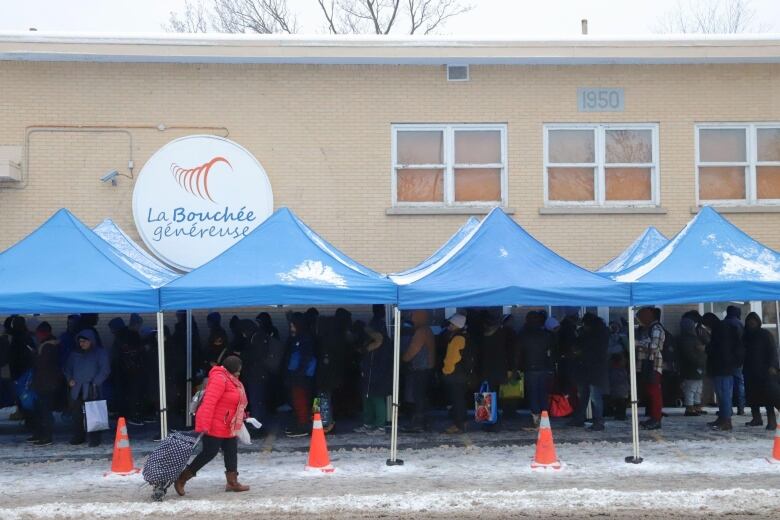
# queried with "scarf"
point(238, 419)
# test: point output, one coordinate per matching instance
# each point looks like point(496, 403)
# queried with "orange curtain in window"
point(570, 184)
point(420, 185)
point(628, 184)
point(477, 184)
point(768, 182)
point(721, 183)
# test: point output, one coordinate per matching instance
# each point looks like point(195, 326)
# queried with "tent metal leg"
point(635, 458)
point(187, 415)
point(161, 369)
point(394, 460)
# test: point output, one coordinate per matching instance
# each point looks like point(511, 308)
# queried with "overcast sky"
point(516, 18)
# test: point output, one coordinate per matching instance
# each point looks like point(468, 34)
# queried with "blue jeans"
point(593, 394)
point(739, 387)
point(724, 388)
point(536, 381)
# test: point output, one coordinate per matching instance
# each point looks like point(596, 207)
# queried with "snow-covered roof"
point(372, 49)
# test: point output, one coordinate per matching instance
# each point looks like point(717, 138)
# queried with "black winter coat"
point(494, 357)
point(725, 352)
point(692, 357)
point(592, 357)
point(760, 354)
point(536, 348)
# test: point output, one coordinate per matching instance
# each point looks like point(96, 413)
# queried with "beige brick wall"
point(323, 135)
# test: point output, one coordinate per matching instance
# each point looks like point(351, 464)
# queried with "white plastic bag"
point(96, 416)
point(243, 436)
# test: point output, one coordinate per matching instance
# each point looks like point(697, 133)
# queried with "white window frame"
point(600, 165)
point(752, 162)
point(449, 166)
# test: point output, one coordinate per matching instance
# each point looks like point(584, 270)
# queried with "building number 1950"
point(600, 99)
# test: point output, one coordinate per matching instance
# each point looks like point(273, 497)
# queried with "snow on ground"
point(683, 477)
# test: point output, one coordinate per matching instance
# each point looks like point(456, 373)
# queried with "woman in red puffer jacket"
point(219, 418)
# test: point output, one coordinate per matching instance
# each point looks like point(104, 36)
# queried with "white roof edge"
point(369, 49)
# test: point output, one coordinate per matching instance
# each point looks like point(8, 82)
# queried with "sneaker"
point(755, 422)
point(43, 442)
point(362, 429)
point(724, 426)
point(376, 431)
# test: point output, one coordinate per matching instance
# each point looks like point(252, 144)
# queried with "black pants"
point(456, 388)
point(79, 433)
point(420, 381)
point(211, 446)
point(44, 421)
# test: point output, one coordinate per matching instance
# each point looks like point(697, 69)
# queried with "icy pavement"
point(721, 475)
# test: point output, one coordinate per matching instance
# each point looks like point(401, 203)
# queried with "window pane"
point(420, 185)
point(478, 147)
point(721, 183)
point(628, 184)
point(769, 144)
point(769, 317)
point(570, 184)
point(768, 182)
point(571, 146)
point(477, 184)
point(629, 146)
point(425, 147)
point(722, 145)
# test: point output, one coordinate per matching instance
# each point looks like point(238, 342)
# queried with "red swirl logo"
point(195, 181)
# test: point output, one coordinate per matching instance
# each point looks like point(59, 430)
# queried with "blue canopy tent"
point(453, 241)
point(281, 262)
point(709, 260)
point(498, 263)
point(645, 245)
point(63, 267)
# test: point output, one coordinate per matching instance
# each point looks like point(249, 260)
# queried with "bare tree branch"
point(329, 15)
point(710, 17)
point(258, 16)
point(192, 20)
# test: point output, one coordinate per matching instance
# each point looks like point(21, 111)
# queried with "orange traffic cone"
point(775, 459)
point(545, 447)
point(318, 450)
point(122, 462)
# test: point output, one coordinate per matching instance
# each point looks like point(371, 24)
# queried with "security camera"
point(110, 177)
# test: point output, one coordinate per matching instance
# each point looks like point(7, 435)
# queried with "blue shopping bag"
point(24, 391)
point(485, 405)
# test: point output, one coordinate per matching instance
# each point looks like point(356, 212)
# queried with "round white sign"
point(197, 196)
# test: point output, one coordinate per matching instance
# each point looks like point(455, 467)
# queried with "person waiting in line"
point(219, 418)
point(300, 374)
point(724, 355)
point(592, 370)
point(267, 325)
point(253, 374)
point(214, 325)
point(21, 358)
point(536, 345)
point(376, 377)
point(455, 371)
point(378, 320)
point(217, 349)
point(650, 342)
point(47, 383)
point(734, 319)
point(692, 358)
point(334, 346)
point(421, 354)
point(86, 370)
point(619, 386)
point(492, 348)
point(760, 359)
point(129, 371)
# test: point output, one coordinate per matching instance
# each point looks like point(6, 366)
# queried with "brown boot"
point(232, 482)
point(183, 478)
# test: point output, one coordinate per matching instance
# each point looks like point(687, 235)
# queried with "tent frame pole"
point(161, 371)
point(635, 458)
point(394, 460)
point(187, 415)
